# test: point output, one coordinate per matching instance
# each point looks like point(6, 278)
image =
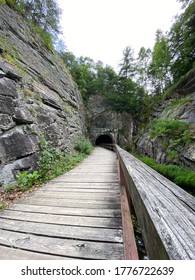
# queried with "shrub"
point(27, 180)
point(174, 129)
point(46, 37)
point(174, 135)
point(83, 145)
point(52, 163)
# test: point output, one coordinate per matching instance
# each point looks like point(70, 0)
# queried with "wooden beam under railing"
point(165, 212)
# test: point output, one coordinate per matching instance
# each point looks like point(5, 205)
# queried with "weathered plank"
point(58, 247)
point(109, 213)
point(90, 178)
point(81, 185)
point(63, 220)
point(79, 190)
point(94, 168)
point(111, 196)
point(70, 232)
point(165, 212)
point(94, 204)
point(9, 253)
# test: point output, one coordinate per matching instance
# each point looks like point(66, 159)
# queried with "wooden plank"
point(67, 211)
point(94, 204)
point(63, 220)
point(79, 190)
point(81, 176)
point(61, 247)
point(130, 247)
point(95, 168)
point(8, 253)
point(115, 196)
point(75, 232)
point(95, 185)
point(165, 212)
point(90, 179)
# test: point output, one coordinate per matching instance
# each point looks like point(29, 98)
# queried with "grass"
point(180, 175)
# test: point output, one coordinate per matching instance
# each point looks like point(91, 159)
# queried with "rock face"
point(182, 108)
point(108, 125)
point(37, 98)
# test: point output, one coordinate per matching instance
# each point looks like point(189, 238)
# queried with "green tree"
point(106, 79)
point(182, 42)
point(142, 66)
point(160, 67)
point(127, 65)
point(44, 13)
point(82, 71)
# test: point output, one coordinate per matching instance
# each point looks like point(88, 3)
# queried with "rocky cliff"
point(103, 121)
point(178, 106)
point(37, 98)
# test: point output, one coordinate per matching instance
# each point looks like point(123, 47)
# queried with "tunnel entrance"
point(103, 139)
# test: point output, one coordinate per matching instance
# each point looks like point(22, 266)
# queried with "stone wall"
point(37, 98)
point(183, 109)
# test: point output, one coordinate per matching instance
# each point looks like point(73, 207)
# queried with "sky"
point(101, 29)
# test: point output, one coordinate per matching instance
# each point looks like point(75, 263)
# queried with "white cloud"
point(101, 29)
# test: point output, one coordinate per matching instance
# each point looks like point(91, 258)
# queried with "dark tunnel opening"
point(103, 139)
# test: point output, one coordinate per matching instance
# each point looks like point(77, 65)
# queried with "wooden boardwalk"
point(76, 216)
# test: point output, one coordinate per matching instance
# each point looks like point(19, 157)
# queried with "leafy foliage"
point(46, 37)
point(44, 15)
point(83, 145)
point(182, 42)
point(153, 71)
point(127, 67)
point(53, 163)
point(159, 69)
point(121, 92)
point(27, 180)
point(174, 135)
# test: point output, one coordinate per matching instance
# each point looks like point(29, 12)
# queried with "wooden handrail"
point(110, 147)
point(164, 211)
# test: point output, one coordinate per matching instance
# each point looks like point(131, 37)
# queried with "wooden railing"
point(165, 212)
point(111, 147)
